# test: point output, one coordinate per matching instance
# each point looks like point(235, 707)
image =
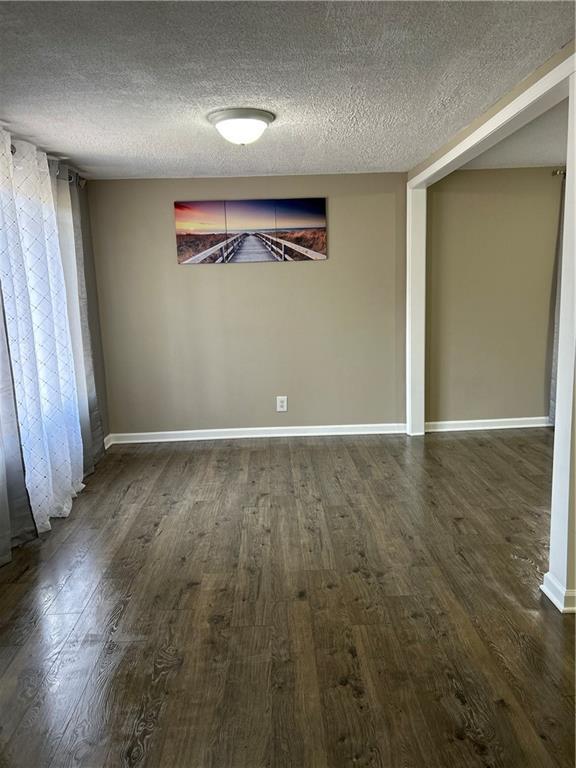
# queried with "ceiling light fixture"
point(241, 125)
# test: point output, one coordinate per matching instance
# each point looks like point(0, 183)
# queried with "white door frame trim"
point(560, 575)
point(558, 84)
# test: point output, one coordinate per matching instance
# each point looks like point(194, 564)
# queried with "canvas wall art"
point(237, 231)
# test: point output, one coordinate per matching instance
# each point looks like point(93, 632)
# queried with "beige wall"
point(210, 346)
point(491, 248)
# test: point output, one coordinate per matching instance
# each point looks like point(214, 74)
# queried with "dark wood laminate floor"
point(366, 601)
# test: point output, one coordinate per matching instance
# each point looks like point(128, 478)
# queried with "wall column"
point(560, 581)
point(415, 310)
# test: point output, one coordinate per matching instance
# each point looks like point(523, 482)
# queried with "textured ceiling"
point(544, 141)
point(123, 89)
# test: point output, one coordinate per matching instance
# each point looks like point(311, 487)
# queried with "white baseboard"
point(563, 599)
point(243, 432)
point(317, 431)
point(462, 426)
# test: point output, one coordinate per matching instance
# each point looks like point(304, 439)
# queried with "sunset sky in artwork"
point(203, 217)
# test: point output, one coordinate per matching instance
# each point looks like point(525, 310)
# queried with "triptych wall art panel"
point(236, 231)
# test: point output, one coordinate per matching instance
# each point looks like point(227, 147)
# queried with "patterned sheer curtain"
point(40, 290)
point(65, 190)
point(16, 521)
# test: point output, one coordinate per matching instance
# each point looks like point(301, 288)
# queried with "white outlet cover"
point(281, 403)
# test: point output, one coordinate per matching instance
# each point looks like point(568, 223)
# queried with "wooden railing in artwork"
point(280, 248)
point(225, 250)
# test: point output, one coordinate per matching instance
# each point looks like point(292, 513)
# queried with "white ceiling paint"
point(123, 89)
point(543, 142)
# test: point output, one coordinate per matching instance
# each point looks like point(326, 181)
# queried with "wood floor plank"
point(119, 713)
point(28, 669)
point(307, 701)
point(243, 738)
point(191, 724)
point(403, 734)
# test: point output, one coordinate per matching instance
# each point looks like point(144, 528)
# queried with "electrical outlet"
point(281, 403)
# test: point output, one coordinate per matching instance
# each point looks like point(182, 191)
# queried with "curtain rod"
point(58, 160)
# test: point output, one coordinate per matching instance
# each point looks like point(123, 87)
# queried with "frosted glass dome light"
point(241, 125)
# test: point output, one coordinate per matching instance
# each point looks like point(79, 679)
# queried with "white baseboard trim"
point(243, 432)
point(317, 431)
point(462, 426)
point(563, 599)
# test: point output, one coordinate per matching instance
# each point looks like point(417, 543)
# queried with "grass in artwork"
point(191, 245)
point(313, 239)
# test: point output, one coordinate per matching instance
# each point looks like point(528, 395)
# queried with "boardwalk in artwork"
point(252, 249)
